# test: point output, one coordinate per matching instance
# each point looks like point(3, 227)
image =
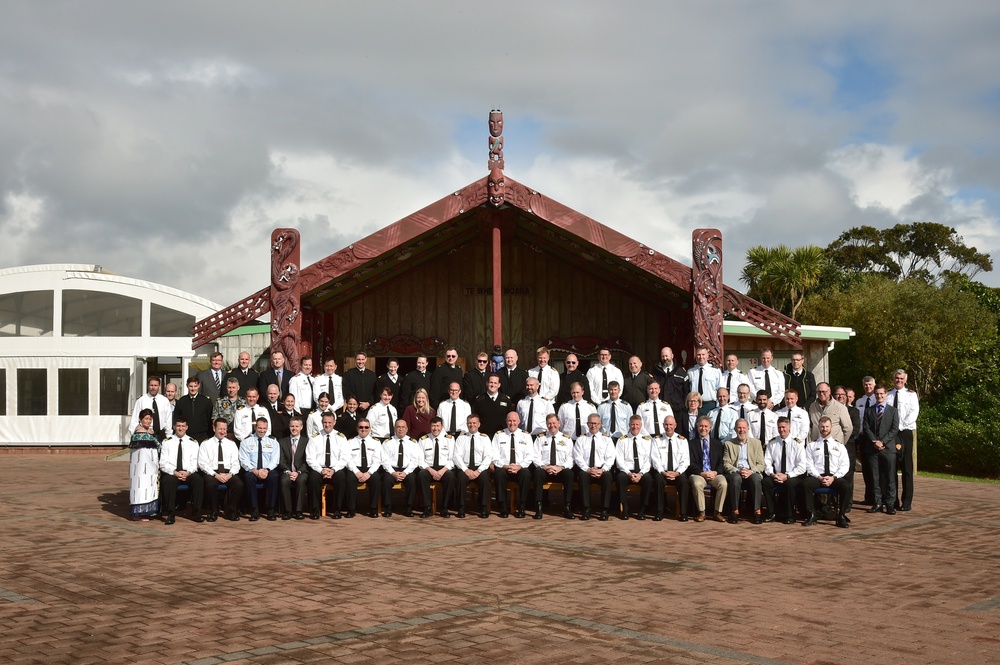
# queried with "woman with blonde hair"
point(418, 415)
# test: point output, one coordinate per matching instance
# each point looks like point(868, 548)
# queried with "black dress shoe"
point(769, 518)
point(604, 516)
point(842, 523)
point(373, 513)
point(254, 515)
point(427, 513)
point(484, 513)
point(568, 512)
point(877, 508)
point(658, 517)
point(733, 518)
point(641, 515)
point(351, 514)
point(811, 520)
point(212, 517)
point(757, 519)
point(789, 520)
point(444, 513)
point(198, 519)
point(271, 516)
point(519, 514)
point(460, 514)
point(297, 515)
point(682, 518)
point(586, 515)
point(904, 508)
point(233, 517)
point(335, 515)
point(386, 513)
point(286, 516)
point(314, 515)
point(504, 514)
point(623, 515)
point(846, 518)
point(408, 512)
point(169, 519)
point(890, 510)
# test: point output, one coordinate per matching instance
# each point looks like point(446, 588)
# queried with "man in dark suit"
point(800, 380)
point(707, 468)
point(636, 386)
point(212, 380)
point(293, 470)
point(276, 374)
point(391, 380)
point(671, 377)
point(359, 383)
point(492, 407)
point(569, 377)
point(881, 427)
point(246, 375)
point(443, 376)
point(414, 381)
point(474, 381)
point(196, 409)
point(512, 377)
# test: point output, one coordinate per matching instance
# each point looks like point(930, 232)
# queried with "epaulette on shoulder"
point(682, 438)
point(646, 438)
point(448, 436)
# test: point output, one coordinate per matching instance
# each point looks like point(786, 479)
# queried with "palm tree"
point(779, 277)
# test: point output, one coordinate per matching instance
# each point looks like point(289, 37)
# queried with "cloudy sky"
point(165, 140)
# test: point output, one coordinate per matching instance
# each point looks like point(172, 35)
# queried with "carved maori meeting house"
point(498, 263)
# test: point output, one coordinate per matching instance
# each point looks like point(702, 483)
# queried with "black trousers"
point(482, 483)
point(787, 490)
point(883, 466)
point(168, 491)
point(447, 484)
point(409, 490)
point(566, 477)
point(285, 483)
point(270, 483)
point(316, 483)
point(586, 482)
point(683, 491)
point(737, 484)
point(645, 484)
point(233, 495)
point(523, 480)
point(842, 486)
point(351, 485)
point(864, 448)
point(905, 463)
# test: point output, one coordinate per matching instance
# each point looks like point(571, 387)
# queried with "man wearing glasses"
point(474, 381)
point(569, 377)
point(444, 375)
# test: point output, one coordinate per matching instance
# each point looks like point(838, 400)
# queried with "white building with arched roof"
point(77, 344)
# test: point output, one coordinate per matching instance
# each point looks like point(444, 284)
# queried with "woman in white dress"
point(143, 470)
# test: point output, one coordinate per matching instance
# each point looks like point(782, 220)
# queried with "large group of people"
point(783, 450)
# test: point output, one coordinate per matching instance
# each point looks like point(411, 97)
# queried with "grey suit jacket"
point(208, 386)
point(888, 433)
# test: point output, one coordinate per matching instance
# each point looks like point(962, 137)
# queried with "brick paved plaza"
point(79, 583)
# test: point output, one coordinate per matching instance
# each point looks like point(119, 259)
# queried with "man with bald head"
point(671, 376)
point(512, 377)
point(572, 375)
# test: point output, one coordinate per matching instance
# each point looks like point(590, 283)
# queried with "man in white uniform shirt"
point(473, 456)
point(573, 415)
point(906, 404)
point(513, 454)
point(601, 374)
point(401, 457)
point(670, 458)
point(219, 464)
point(797, 416)
point(454, 411)
point(743, 406)
point(548, 377)
point(704, 379)
point(827, 465)
point(179, 465)
point(766, 377)
point(785, 467)
point(331, 383)
point(533, 410)
point(159, 405)
point(723, 417)
point(324, 460)
point(763, 421)
point(555, 463)
point(632, 455)
point(382, 416)
point(652, 412)
point(303, 386)
point(732, 377)
point(614, 412)
point(245, 420)
point(362, 457)
point(437, 465)
point(594, 455)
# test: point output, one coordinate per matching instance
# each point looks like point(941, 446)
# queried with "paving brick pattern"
point(80, 583)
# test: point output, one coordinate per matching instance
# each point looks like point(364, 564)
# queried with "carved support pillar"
point(707, 292)
point(286, 322)
point(497, 286)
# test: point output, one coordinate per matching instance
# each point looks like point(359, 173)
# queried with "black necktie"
point(604, 383)
point(157, 432)
point(612, 424)
point(593, 450)
point(221, 467)
point(329, 387)
point(729, 383)
point(472, 451)
point(826, 458)
point(878, 418)
point(670, 454)
point(326, 463)
point(718, 421)
point(437, 454)
point(767, 382)
point(531, 414)
point(579, 427)
point(743, 412)
point(453, 426)
point(701, 383)
point(512, 459)
point(656, 420)
point(784, 444)
point(399, 459)
point(763, 426)
point(635, 455)
point(260, 454)
point(552, 452)
point(895, 400)
point(180, 455)
point(364, 457)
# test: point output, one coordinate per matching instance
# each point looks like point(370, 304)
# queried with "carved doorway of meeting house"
point(405, 348)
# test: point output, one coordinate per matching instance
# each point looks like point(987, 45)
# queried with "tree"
point(780, 277)
point(934, 333)
point(923, 250)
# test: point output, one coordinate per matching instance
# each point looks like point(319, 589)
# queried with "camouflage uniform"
point(225, 407)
